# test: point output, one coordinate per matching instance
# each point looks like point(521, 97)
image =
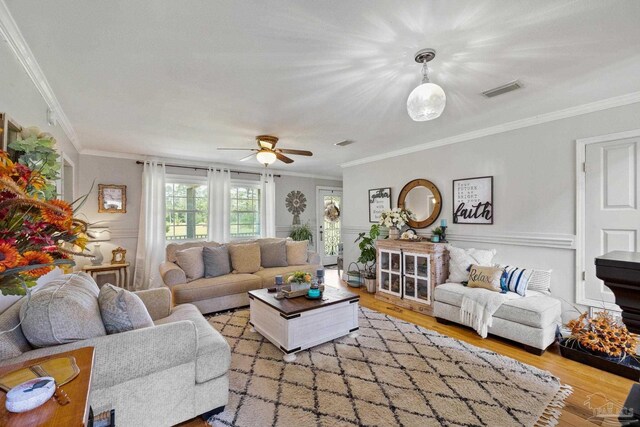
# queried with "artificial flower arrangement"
point(299, 277)
point(396, 217)
point(603, 334)
point(37, 232)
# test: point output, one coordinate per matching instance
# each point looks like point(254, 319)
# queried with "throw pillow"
point(485, 277)
point(461, 259)
point(122, 310)
point(190, 260)
point(216, 261)
point(517, 279)
point(245, 258)
point(274, 254)
point(297, 252)
point(63, 311)
point(520, 280)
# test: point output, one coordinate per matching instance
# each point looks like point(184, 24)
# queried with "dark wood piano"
point(620, 271)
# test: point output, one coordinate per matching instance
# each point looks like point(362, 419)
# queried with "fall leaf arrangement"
point(603, 333)
point(37, 232)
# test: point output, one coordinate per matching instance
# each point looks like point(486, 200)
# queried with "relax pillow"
point(245, 258)
point(63, 311)
point(191, 262)
point(216, 261)
point(297, 252)
point(461, 259)
point(122, 310)
point(485, 277)
point(274, 254)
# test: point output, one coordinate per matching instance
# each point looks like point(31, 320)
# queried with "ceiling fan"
point(267, 153)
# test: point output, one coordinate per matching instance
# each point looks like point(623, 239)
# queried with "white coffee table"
point(297, 324)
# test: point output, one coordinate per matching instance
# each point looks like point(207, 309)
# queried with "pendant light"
point(427, 101)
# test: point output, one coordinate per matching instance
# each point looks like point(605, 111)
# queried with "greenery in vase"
point(438, 231)
point(367, 247)
point(299, 277)
point(37, 233)
point(396, 217)
point(302, 232)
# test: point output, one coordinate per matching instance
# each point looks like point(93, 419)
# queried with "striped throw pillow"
point(540, 281)
point(517, 279)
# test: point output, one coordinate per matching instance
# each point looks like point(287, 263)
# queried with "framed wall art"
point(379, 201)
point(473, 200)
point(112, 198)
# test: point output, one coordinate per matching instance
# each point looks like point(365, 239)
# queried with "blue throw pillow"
point(517, 279)
point(216, 261)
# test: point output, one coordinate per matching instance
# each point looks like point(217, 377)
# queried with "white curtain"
point(219, 184)
point(267, 205)
point(151, 232)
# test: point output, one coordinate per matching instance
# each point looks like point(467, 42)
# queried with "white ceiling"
point(179, 79)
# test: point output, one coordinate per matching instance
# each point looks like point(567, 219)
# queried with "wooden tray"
point(300, 293)
point(62, 369)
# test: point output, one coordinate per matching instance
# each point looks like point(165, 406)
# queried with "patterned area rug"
point(394, 373)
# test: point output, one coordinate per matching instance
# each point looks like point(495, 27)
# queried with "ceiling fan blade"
point(283, 158)
point(244, 159)
point(298, 152)
point(238, 149)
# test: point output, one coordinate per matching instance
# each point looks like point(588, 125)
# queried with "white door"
point(390, 272)
point(329, 226)
point(416, 277)
point(612, 215)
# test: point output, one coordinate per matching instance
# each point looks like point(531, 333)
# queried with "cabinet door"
point(417, 278)
point(390, 272)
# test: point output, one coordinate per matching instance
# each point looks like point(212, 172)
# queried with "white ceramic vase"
point(394, 233)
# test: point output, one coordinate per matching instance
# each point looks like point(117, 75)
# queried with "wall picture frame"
point(112, 198)
point(379, 201)
point(473, 200)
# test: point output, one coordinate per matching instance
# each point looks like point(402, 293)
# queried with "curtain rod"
point(200, 168)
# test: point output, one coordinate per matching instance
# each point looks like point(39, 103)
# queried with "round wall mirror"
point(423, 199)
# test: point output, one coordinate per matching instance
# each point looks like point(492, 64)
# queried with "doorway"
point(610, 211)
point(329, 223)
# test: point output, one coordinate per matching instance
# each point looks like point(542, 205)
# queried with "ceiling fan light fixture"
point(427, 101)
point(266, 157)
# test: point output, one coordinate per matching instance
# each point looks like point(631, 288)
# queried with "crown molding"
point(187, 162)
point(579, 110)
point(10, 31)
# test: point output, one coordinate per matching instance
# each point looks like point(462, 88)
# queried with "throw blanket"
point(478, 307)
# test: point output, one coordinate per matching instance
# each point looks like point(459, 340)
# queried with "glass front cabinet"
point(406, 272)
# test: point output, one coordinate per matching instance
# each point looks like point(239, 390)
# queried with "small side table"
point(121, 272)
point(51, 413)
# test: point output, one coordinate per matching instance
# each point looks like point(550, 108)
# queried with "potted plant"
point(302, 232)
point(367, 257)
point(437, 234)
point(299, 280)
point(394, 220)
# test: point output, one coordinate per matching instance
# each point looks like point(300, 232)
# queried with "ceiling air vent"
point(502, 89)
point(344, 143)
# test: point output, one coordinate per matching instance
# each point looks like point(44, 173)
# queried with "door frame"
point(319, 219)
point(581, 149)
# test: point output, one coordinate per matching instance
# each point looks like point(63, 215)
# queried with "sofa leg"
point(533, 350)
point(443, 321)
point(211, 413)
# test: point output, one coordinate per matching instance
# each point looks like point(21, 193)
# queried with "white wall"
point(124, 227)
point(23, 103)
point(534, 190)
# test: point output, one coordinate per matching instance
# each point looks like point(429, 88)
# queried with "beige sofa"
point(224, 292)
point(155, 376)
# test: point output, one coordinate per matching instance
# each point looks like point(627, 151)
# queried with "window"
point(187, 210)
point(244, 217)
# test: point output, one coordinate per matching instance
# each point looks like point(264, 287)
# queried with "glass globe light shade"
point(266, 157)
point(426, 102)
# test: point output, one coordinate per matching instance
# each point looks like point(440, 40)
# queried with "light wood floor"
point(584, 379)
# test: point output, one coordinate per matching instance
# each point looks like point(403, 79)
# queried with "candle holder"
point(443, 236)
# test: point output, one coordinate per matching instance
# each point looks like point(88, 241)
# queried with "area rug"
point(394, 373)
